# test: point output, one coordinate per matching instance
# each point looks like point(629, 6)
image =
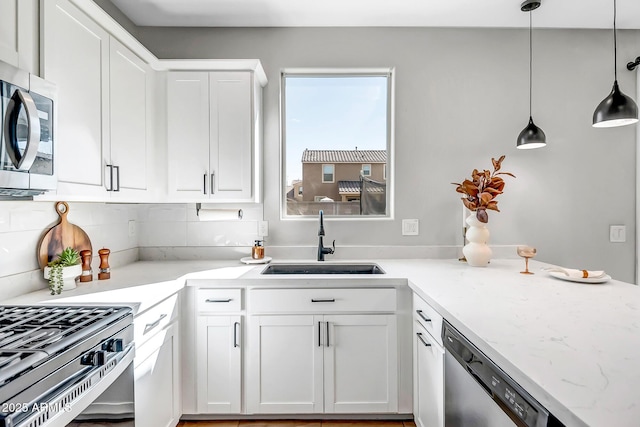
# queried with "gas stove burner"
point(29, 339)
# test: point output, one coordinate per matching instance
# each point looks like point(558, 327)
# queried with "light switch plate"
point(263, 228)
point(410, 227)
point(617, 233)
point(132, 228)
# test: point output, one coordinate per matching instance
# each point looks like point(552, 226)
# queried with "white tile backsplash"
point(221, 233)
point(23, 223)
point(163, 233)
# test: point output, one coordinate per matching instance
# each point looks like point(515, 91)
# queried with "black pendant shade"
point(617, 109)
point(531, 137)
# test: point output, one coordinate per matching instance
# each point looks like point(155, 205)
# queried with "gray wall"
point(462, 98)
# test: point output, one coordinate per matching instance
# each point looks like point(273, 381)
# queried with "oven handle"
point(22, 161)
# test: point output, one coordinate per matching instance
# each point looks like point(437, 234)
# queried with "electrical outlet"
point(263, 228)
point(617, 233)
point(132, 228)
point(410, 227)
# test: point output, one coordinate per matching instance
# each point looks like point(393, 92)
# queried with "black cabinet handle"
point(236, 325)
point(426, 344)
point(327, 334)
point(218, 300)
point(421, 314)
point(323, 300)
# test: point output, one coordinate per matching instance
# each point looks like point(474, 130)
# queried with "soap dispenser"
point(257, 252)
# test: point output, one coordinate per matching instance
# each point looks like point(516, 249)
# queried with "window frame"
point(389, 169)
point(362, 169)
point(333, 173)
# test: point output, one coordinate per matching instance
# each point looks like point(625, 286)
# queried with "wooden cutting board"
point(60, 237)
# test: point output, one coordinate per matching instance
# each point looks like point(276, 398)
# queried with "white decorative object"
point(69, 276)
point(477, 252)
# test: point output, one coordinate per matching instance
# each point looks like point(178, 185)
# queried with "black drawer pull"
point(421, 314)
point(323, 300)
point(426, 344)
point(218, 300)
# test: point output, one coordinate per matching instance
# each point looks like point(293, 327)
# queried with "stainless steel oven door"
point(114, 406)
point(95, 387)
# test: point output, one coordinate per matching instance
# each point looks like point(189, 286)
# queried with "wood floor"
point(297, 423)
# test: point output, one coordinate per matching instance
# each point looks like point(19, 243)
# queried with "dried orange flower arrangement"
point(482, 189)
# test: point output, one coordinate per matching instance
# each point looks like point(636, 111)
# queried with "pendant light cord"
point(530, 64)
point(615, 43)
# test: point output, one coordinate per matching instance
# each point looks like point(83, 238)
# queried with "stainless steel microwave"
point(27, 139)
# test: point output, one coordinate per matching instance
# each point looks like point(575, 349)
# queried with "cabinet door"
point(219, 364)
point(361, 371)
point(188, 135)
point(128, 84)
point(75, 58)
point(157, 380)
point(429, 380)
point(9, 31)
point(231, 135)
point(19, 34)
point(285, 361)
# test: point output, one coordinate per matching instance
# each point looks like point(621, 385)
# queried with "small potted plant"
point(63, 271)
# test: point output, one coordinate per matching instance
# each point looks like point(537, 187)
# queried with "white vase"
point(69, 276)
point(477, 252)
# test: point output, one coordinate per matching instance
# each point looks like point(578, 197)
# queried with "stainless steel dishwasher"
point(477, 393)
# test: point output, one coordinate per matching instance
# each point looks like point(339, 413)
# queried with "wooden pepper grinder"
point(104, 271)
point(87, 273)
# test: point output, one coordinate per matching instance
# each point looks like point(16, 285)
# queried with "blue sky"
point(333, 113)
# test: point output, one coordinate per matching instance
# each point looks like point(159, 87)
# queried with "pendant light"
point(617, 109)
point(531, 136)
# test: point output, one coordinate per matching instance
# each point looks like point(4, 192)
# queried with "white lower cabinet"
point(218, 348)
point(286, 357)
point(360, 364)
point(322, 363)
point(157, 379)
point(428, 366)
point(219, 364)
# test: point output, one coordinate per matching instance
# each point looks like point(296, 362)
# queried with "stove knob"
point(93, 358)
point(113, 345)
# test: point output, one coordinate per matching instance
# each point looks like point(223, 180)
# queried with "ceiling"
point(379, 13)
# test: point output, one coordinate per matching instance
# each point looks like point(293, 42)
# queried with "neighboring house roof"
point(344, 156)
point(351, 187)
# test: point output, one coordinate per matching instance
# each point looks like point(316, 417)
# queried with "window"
point(300, 191)
point(328, 173)
point(336, 125)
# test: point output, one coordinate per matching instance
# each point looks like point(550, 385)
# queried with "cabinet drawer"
point(430, 319)
point(155, 319)
point(322, 300)
point(218, 300)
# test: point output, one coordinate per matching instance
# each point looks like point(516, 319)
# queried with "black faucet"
point(322, 251)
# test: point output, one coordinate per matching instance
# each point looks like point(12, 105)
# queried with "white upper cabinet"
point(188, 134)
point(129, 116)
point(19, 34)
point(213, 130)
point(104, 103)
point(75, 57)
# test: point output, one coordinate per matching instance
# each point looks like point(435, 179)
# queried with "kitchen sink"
point(323, 269)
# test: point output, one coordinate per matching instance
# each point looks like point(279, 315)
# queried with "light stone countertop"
point(575, 347)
